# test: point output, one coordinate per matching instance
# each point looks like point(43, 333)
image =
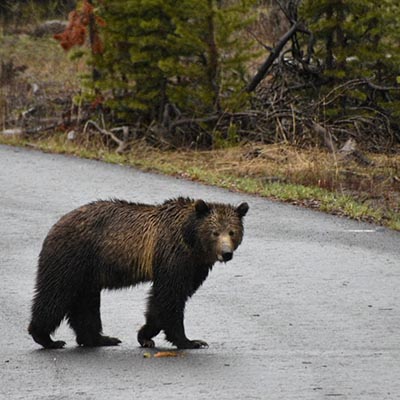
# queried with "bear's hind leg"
point(43, 338)
point(45, 321)
point(84, 319)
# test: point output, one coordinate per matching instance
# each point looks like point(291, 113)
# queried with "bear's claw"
point(98, 341)
point(108, 341)
point(147, 343)
point(193, 344)
point(58, 344)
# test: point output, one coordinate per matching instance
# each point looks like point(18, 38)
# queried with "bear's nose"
point(227, 256)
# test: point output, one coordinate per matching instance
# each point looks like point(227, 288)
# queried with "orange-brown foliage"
point(76, 30)
point(97, 45)
point(98, 101)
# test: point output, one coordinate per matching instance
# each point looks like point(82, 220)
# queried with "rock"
point(29, 112)
point(35, 88)
point(350, 152)
point(12, 132)
point(71, 135)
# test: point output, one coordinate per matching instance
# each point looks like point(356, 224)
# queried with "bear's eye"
point(231, 233)
point(215, 233)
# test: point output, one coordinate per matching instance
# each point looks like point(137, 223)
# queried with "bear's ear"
point(242, 209)
point(201, 207)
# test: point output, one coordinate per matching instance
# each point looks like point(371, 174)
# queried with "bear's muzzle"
point(225, 251)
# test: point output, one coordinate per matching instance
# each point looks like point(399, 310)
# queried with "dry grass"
point(35, 74)
point(376, 186)
point(46, 62)
point(376, 183)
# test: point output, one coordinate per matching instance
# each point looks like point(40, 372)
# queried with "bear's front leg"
point(148, 331)
point(175, 332)
point(166, 312)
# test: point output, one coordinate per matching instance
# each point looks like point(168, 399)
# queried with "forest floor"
point(38, 82)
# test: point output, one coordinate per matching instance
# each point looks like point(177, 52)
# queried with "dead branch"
point(374, 86)
point(191, 121)
point(349, 152)
point(325, 134)
point(272, 57)
point(122, 144)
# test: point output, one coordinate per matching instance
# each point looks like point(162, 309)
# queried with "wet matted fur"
point(115, 244)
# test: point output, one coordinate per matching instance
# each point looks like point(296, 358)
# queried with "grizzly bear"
point(115, 244)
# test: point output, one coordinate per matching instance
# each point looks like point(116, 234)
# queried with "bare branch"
point(255, 37)
point(325, 134)
point(374, 86)
point(272, 57)
point(122, 144)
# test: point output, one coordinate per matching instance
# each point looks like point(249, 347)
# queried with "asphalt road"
point(309, 308)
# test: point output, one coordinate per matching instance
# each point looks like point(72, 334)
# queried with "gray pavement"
point(309, 308)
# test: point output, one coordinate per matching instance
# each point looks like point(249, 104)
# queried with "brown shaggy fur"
point(115, 244)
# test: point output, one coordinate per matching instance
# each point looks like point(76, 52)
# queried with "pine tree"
point(357, 40)
point(189, 54)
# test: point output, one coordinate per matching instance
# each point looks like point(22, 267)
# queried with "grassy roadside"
point(276, 172)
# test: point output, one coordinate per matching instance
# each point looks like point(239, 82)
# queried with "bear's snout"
point(225, 252)
point(227, 256)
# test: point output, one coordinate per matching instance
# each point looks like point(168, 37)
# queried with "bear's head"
point(216, 229)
